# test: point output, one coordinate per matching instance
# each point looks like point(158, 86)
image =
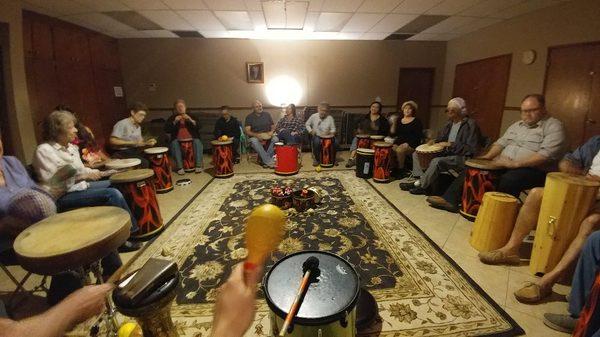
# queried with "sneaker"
point(532, 293)
point(499, 257)
point(180, 172)
point(563, 323)
point(417, 190)
point(315, 163)
point(236, 161)
point(407, 184)
point(441, 203)
point(130, 246)
point(198, 170)
point(350, 163)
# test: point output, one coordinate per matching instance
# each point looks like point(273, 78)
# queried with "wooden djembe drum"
point(494, 222)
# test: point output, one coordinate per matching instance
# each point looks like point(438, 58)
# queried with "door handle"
point(590, 121)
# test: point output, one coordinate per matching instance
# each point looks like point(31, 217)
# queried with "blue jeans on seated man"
point(176, 152)
point(286, 137)
point(265, 155)
point(316, 146)
point(585, 274)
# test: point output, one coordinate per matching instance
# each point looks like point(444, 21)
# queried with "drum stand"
point(109, 317)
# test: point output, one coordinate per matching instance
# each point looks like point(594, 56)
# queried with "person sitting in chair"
point(126, 138)
point(260, 129)
point(320, 124)
point(182, 126)
point(407, 132)
point(229, 126)
point(289, 128)
point(372, 124)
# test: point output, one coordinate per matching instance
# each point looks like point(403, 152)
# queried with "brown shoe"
point(532, 293)
point(499, 257)
point(441, 203)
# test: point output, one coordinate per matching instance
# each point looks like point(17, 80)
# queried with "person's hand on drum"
point(85, 303)
point(444, 144)
point(506, 162)
point(150, 142)
point(236, 303)
point(93, 175)
point(592, 177)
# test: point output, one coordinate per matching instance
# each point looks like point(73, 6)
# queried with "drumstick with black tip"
point(309, 267)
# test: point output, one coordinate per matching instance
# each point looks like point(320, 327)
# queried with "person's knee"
point(254, 141)
point(535, 195)
point(589, 224)
point(114, 196)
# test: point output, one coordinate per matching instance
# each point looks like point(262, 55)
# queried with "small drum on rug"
point(382, 162)
point(286, 159)
point(138, 189)
point(123, 164)
point(426, 153)
point(187, 154)
point(364, 163)
point(481, 176)
point(363, 141)
point(160, 164)
point(329, 304)
point(223, 158)
point(327, 151)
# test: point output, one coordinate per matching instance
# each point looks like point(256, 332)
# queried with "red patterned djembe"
point(363, 141)
point(375, 139)
point(327, 151)
point(138, 189)
point(159, 162)
point(382, 162)
point(223, 158)
point(187, 154)
point(480, 176)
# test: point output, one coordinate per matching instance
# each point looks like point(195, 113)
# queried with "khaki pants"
point(401, 151)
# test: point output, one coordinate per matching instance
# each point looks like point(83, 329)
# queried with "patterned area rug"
point(419, 290)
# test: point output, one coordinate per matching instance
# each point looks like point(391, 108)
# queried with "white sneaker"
point(180, 172)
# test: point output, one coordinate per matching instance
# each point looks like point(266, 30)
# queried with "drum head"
point(366, 152)
point(326, 136)
point(129, 176)
point(327, 300)
point(426, 148)
point(383, 144)
point(156, 150)
point(377, 137)
point(483, 164)
point(264, 136)
point(573, 179)
point(116, 164)
point(221, 142)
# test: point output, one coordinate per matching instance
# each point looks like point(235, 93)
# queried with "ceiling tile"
point(274, 14)
point(258, 20)
point(476, 25)
point(104, 5)
point(362, 22)
point(132, 34)
point(315, 5)
point(102, 21)
point(451, 7)
point(38, 9)
point(159, 33)
point(185, 4)
point(295, 14)
point(253, 5)
point(332, 22)
point(392, 22)
point(449, 25)
point(134, 20)
point(235, 20)
point(202, 20)
point(378, 6)
point(416, 6)
point(523, 8)
point(311, 21)
point(421, 23)
point(61, 7)
point(81, 21)
point(226, 5)
point(433, 37)
point(187, 33)
point(487, 7)
point(167, 19)
point(145, 4)
point(343, 6)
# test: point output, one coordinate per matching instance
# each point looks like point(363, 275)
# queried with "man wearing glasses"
point(528, 150)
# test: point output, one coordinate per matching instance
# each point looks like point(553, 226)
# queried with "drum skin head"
point(483, 164)
point(129, 176)
point(122, 163)
point(156, 150)
point(327, 300)
point(426, 148)
point(368, 152)
point(221, 142)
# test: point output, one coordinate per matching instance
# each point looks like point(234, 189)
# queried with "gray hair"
point(56, 124)
point(324, 105)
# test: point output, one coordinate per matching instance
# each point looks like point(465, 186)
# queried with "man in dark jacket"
point(461, 139)
point(183, 126)
point(229, 126)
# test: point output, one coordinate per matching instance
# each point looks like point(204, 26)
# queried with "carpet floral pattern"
point(419, 290)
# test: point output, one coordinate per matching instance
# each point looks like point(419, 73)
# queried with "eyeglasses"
point(528, 111)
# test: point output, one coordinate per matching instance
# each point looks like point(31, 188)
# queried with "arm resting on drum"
point(248, 130)
point(493, 152)
point(568, 166)
point(115, 141)
point(534, 160)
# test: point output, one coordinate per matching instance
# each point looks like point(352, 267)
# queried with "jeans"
point(585, 274)
point(354, 144)
point(316, 146)
point(176, 152)
point(98, 194)
point(132, 153)
point(265, 155)
point(437, 166)
point(286, 137)
point(236, 148)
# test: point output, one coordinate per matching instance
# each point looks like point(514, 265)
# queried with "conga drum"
point(223, 158)
point(327, 155)
point(566, 202)
point(481, 176)
point(123, 164)
point(159, 162)
point(71, 240)
point(364, 163)
point(138, 189)
point(495, 221)
point(187, 154)
point(329, 306)
point(382, 162)
point(363, 141)
point(375, 139)
point(426, 153)
point(286, 159)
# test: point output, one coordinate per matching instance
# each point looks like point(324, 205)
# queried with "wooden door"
point(483, 86)
point(416, 84)
point(592, 120)
point(77, 91)
point(41, 40)
point(42, 84)
point(71, 45)
point(110, 107)
point(5, 131)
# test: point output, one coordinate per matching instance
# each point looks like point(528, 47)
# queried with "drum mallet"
point(309, 267)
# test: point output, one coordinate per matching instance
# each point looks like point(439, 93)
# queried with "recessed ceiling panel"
point(362, 22)
point(332, 22)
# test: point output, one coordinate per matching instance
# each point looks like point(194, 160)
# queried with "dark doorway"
point(483, 85)
point(416, 84)
point(5, 132)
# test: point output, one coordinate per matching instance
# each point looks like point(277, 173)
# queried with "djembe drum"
point(123, 164)
point(327, 151)
point(495, 221)
point(286, 159)
point(364, 163)
point(138, 189)
point(223, 158)
point(382, 162)
point(363, 141)
point(159, 162)
point(187, 154)
point(375, 139)
point(481, 176)
point(566, 202)
point(426, 153)
point(329, 306)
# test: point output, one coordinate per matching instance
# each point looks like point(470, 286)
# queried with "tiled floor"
point(449, 231)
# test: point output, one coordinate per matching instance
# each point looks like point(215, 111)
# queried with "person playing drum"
point(585, 160)
point(528, 150)
point(461, 139)
point(126, 138)
point(320, 124)
point(229, 126)
point(408, 134)
point(289, 128)
point(372, 124)
point(260, 129)
point(181, 125)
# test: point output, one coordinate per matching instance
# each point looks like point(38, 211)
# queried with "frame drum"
point(223, 158)
point(187, 154)
point(159, 162)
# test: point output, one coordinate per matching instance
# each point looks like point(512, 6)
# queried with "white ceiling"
point(289, 19)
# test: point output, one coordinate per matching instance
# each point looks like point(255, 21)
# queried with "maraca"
point(264, 231)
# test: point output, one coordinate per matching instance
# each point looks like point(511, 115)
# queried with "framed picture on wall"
point(255, 72)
